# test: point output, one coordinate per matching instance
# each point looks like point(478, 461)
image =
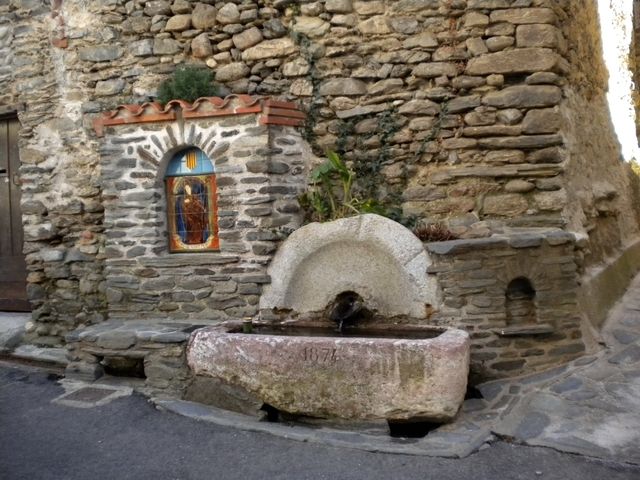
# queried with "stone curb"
point(439, 445)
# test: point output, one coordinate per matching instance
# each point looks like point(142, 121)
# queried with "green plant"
point(188, 82)
point(331, 194)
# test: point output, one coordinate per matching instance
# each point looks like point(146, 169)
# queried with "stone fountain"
point(389, 365)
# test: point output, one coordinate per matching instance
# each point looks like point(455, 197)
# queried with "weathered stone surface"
point(340, 377)
point(520, 16)
point(279, 47)
point(204, 16)
point(521, 60)
point(343, 86)
point(423, 107)
point(424, 39)
point(369, 7)
point(201, 46)
point(231, 72)
point(524, 142)
point(157, 7)
point(165, 46)
point(178, 23)
point(506, 205)
point(321, 260)
point(537, 36)
point(247, 38)
point(109, 87)
point(435, 69)
point(542, 121)
point(338, 6)
point(228, 14)
point(311, 26)
point(476, 46)
point(141, 48)
point(524, 96)
point(100, 53)
point(519, 186)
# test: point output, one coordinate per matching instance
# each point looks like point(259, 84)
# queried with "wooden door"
point(13, 271)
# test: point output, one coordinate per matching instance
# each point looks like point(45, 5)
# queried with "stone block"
point(100, 53)
point(519, 60)
point(343, 86)
point(546, 120)
point(524, 96)
point(109, 87)
point(228, 14)
point(247, 38)
point(508, 205)
point(340, 377)
point(157, 7)
point(520, 16)
point(539, 35)
point(116, 339)
point(435, 69)
point(141, 48)
point(338, 6)
point(311, 26)
point(232, 71)
point(204, 16)
point(378, 25)
point(178, 23)
point(279, 47)
point(166, 46)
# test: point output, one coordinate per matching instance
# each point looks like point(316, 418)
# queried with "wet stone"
point(571, 383)
point(625, 337)
point(532, 425)
point(581, 395)
point(628, 356)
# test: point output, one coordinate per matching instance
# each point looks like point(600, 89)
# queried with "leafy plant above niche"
point(332, 195)
point(188, 82)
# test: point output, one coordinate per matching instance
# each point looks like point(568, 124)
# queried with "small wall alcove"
point(520, 303)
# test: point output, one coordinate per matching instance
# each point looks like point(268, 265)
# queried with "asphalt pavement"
point(129, 438)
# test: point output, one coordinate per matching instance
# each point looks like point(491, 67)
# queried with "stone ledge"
point(515, 239)
point(115, 334)
point(525, 330)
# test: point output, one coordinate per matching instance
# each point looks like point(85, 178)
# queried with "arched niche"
point(520, 302)
point(370, 255)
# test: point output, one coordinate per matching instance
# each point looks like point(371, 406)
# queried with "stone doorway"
point(13, 271)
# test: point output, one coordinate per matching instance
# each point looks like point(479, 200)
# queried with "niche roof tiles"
point(273, 112)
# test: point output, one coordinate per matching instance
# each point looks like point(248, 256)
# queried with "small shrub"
point(187, 83)
point(433, 232)
point(332, 195)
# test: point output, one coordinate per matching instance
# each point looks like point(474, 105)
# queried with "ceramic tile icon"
point(191, 203)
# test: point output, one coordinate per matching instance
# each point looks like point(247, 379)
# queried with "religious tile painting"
point(192, 213)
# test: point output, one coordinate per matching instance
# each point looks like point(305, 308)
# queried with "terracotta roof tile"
point(273, 111)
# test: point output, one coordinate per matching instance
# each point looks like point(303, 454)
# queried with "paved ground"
point(592, 408)
point(589, 408)
point(128, 438)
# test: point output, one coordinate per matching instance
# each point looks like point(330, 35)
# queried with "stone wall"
point(511, 335)
point(601, 189)
point(260, 171)
point(488, 114)
point(62, 210)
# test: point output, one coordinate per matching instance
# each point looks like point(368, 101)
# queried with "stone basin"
point(372, 377)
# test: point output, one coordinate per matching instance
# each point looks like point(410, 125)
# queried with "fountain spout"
point(346, 309)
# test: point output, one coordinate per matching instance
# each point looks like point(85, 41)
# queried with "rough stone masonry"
point(487, 114)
